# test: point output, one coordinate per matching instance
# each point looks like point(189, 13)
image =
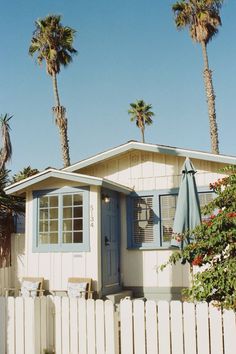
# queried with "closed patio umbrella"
point(187, 215)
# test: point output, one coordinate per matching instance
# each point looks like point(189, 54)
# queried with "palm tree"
point(202, 17)
point(53, 43)
point(141, 113)
point(6, 150)
point(25, 173)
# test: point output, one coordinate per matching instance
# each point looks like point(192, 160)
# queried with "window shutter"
point(143, 220)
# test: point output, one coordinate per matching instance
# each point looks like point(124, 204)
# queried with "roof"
point(21, 186)
point(161, 149)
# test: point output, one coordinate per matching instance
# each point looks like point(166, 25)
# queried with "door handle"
point(107, 242)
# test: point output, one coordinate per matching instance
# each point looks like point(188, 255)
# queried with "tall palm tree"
point(6, 150)
point(202, 17)
point(141, 113)
point(53, 43)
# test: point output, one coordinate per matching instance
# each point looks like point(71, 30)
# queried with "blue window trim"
point(156, 244)
point(62, 247)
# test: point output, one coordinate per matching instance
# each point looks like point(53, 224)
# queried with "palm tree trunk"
point(61, 122)
point(142, 132)
point(207, 75)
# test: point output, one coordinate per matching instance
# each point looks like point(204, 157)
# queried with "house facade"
point(110, 218)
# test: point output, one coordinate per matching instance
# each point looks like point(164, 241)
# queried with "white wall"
point(57, 267)
point(150, 171)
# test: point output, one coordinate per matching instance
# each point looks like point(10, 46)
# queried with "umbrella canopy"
point(187, 215)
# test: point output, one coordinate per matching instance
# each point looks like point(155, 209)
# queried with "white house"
point(110, 218)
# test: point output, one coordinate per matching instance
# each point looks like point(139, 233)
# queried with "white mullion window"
point(61, 220)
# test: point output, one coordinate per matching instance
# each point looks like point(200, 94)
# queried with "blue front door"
point(110, 242)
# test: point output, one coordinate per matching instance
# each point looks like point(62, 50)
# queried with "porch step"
point(116, 297)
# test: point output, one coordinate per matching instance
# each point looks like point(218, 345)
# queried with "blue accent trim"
point(157, 217)
point(62, 247)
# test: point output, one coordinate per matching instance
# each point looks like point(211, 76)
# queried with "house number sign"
point(91, 216)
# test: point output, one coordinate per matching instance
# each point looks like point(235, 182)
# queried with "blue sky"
point(128, 50)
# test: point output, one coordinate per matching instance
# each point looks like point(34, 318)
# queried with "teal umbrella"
point(187, 214)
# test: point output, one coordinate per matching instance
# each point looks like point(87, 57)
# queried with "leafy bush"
point(214, 248)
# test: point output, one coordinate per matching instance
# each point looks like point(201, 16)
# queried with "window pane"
point(78, 199)
point(78, 212)
point(78, 224)
point(43, 238)
point(143, 220)
point(43, 202)
point(43, 214)
point(67, 200)
point(43, 226)
point(67, 237)
point(54, 225)
point(67, 213)
point(53, 238)
point(78, 237)
point(67, 225)
point(53, 213)
point(167, 213)
point(54, 202)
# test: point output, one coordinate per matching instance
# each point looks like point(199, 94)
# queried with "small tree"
point(214, 248)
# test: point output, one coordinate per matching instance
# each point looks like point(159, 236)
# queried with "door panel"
point(110, 242)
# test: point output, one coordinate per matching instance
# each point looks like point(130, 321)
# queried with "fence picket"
point(202, 328)
point(91, 326)
point(10, 346)
point(82, 326)
point(2, 325)
point(215, 330)
point(43, 322)
point(229, 332)
point(37, 327)
point(110, 327)
point(151, 327)
point(139, 327)
point(189, 328)
point(50, 322)
point(65, 335)
point(73, 326)
point(29, 325)
point(177, 339)
point(163, 327)
point(126, 332)
point(100, 327)
point(20, 325)
point(58, 335)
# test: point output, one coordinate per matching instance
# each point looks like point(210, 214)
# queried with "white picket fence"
point(70, 326)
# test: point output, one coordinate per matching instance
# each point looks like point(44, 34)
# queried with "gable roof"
point(21, 186)
point(161, 149)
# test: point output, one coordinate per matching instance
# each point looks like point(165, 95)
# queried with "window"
point(151, 217)
point(61, 220)
point(143, 220)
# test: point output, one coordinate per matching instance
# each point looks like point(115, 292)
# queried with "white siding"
point(57, 267)
point(147, 171)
